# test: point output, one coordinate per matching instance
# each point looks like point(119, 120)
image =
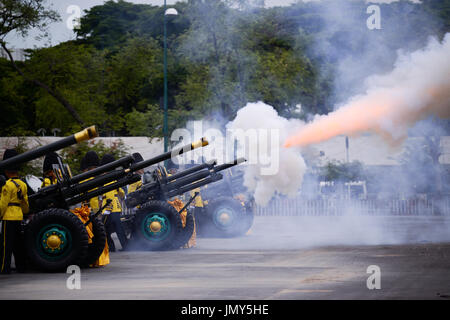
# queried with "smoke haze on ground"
point(379, 89)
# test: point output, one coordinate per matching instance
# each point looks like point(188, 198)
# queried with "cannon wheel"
point(187, 232)
point(158, 226)
point(97, 245)
point(225, 217)
point(56, 239)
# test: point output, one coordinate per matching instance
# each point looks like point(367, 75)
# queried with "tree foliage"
point(221, 55)
point(22, 15)
point(73, 155)
point(338, 171)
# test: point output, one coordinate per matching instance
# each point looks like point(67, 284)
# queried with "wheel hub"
point(54, 240)
point(224, 217)
point(155, 226)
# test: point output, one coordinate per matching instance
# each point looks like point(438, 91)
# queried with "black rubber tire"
point(238, 226)
point(186, 233)
point(96, 247)
point(76, 230)
point(146, 211)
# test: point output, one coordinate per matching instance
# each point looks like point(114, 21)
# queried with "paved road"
point(281, 258)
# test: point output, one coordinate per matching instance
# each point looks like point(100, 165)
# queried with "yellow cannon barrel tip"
point(86, 134)
point(204, 142)
point(201, 143)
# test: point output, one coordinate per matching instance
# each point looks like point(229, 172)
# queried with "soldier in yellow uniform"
point(13, 205)
point(137, 185)
point(91, 161)
point(112, 212)
point(178, 204)
point(47, 170)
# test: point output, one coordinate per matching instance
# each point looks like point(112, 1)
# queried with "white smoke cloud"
point(287, 180)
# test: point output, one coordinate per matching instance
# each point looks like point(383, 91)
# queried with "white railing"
point(334, 207)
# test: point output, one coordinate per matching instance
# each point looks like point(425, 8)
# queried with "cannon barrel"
point(104, 189)
point(229, 164)
point(199, 175)
point(181, 182)
point(78, 137)
point(209, 164)
point(122, 162)
point(100, 180)
point(194, 185)
point(114, 175)
point(200, 178)
point(167, 155)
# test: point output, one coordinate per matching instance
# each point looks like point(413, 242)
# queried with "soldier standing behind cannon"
point(48, 174)
point(113, 211)
point(137, 185)
point(13, 205)
point(90, 161)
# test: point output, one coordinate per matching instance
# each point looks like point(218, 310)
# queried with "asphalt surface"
point(280, 258)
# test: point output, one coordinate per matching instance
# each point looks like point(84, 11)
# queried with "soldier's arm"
point(121, 193)
point(24, 203)
point(4, 200)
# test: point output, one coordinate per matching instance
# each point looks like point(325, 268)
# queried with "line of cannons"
point(56, 238)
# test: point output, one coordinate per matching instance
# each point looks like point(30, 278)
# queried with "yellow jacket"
point(198, 201)
point(93, 202)
point(11, 207)
point(135, 186)
point(114, 195)
point(48, 182)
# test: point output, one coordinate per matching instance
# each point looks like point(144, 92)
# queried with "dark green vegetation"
point(219, 58)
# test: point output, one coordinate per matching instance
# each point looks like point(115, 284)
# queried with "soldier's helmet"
point(137, 157)
point(49, 160)
point(9, 153)
point(107, 158)
point(90, 160)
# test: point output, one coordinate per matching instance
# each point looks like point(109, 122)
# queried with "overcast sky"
point(60, 32)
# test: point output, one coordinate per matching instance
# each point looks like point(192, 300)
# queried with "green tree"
point(134, 76)
point(20, 16)
point(338, 171)
point(77, 72)
point(17, 102)
point(212, 44)
point(146, 123)
point(111, 24)
point(73, 155)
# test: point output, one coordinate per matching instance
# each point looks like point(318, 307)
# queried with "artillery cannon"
point(55, 237)
point(155, 224)
point(228, 208)
point(78, 137)
point(55, 221)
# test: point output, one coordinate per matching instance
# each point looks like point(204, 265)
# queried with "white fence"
point(332, 207)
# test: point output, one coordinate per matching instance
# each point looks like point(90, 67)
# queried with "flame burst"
point(418, 86)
